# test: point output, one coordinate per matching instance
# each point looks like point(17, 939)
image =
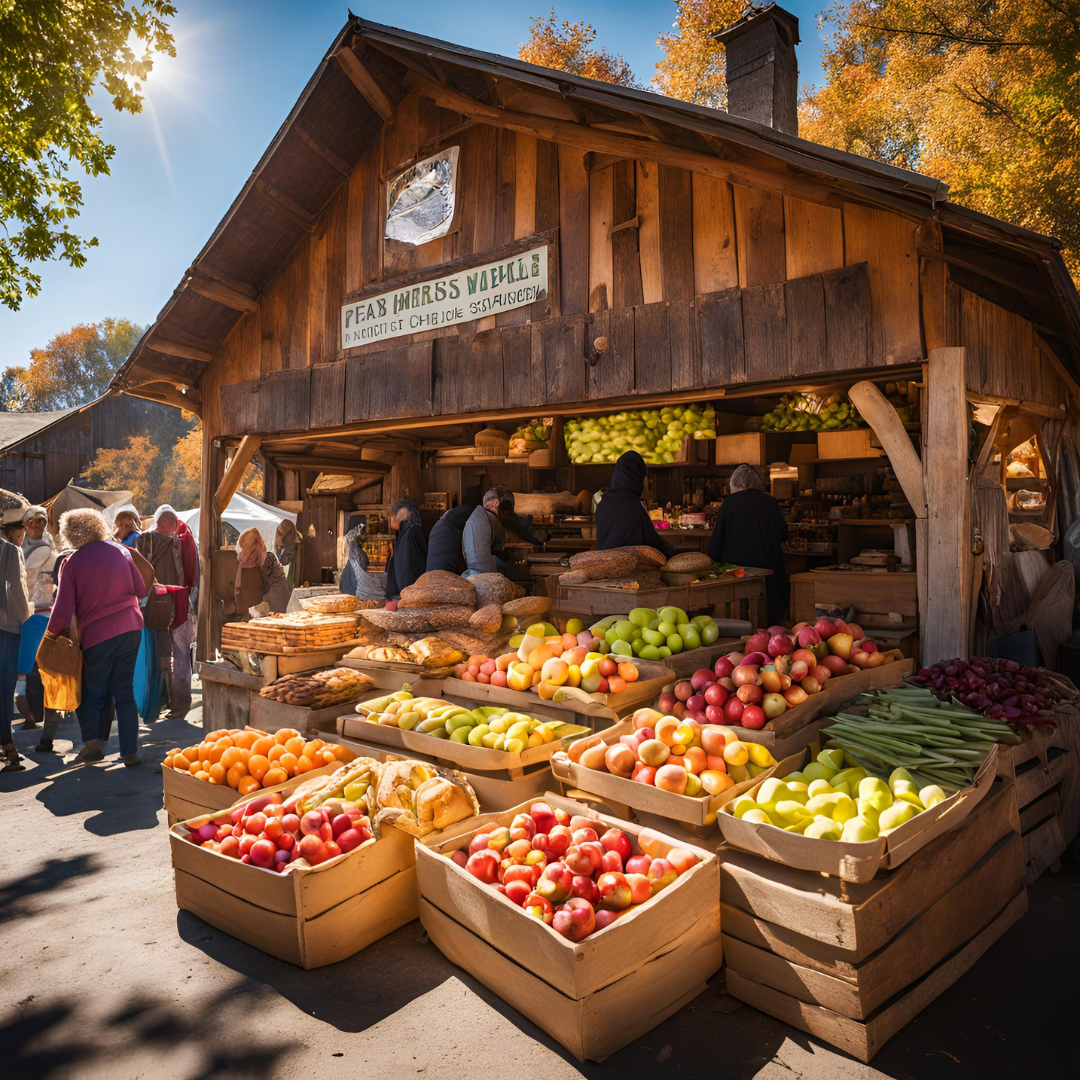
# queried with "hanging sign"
point(513, 282)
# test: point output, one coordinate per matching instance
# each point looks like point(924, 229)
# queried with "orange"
point(217, 774)
point(313, 746)
point(342, 753)
point(168, 762)
point(283, 735)
point(213, 736)
point(204, 751)
point(295, 746)
point(203, 775)
point(327, 755)
point(288, 763)
point(262, 745)
point(257, 766)
point(180, 762)
point(231, 756)
point(303, 764)
point(235, 775)
point(247, 785)
point(276, 751)
point(274, 777)
point(195, 766)
point(244, 739)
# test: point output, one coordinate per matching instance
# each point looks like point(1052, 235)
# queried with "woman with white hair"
point(750, 531)
point(39, 555)
point(100, 588)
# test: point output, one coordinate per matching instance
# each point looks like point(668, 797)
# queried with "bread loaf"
point(648, 558)
point(475, 642)
point(439, 588)
point(494, 589)
point(614, 563)
point(488, 619)
point(422, 620)
point(527, 606)
point(689, 562)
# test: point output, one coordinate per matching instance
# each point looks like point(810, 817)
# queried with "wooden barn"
point(610, 249)
point(41, 452)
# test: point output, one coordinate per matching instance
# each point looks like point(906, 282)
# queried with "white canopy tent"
point(244, 512)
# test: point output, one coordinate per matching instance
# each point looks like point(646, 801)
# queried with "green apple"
point(653, 637)
point(709, 633)
point(666, 629)
point(675, 643)
point(673, 615)
point(892, 817)
point(641, 616)
point(649, 652)
point(664, 651)
point(876, 792)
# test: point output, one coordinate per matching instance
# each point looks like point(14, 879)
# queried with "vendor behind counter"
point(621, 517)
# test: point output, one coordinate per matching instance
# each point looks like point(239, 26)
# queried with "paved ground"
point(100, 976)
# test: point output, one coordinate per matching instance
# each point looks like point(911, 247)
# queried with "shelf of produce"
point(698, 811)
point(874, 593)
point(594, 996)
point(388, 675)
point(269, 715)
point(308, 917)
point(185, 798)
point(856, 861)
point(690, 660)
point(833, 958)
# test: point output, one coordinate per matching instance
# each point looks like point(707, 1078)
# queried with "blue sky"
point(211, 112)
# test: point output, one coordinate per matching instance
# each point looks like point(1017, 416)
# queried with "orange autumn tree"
point(128, 468)
point(183, 474)
point(983, 96)
point(693, 65)
point(569, 47)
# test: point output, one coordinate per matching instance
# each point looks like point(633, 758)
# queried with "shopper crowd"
point(123, 597)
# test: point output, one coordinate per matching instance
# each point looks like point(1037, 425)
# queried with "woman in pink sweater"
point(100, 586)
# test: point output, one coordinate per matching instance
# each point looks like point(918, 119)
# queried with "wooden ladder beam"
point(885, 422)
point(234, 474)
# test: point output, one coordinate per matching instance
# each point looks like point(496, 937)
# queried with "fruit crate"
point(855, 861)
point(853, 443)
point(594, 996)
point(184, 797)
point(698, 812)
point(852, 964)
point(309, 917)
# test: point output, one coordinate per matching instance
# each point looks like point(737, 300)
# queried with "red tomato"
point(290, 823)
point(247, 842)
point(285, 841)
point(331, 850)
point(311, 848)
point(255, 824)
point(263, 852)
point(273, 830)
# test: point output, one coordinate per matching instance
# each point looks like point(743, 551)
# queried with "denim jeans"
point(9, 662)
point(109, 672)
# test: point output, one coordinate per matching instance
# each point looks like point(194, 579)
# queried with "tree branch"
point(950, 37)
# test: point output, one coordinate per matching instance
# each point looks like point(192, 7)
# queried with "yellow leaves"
point(569, 47)
point(129, 468)
point(693, 66)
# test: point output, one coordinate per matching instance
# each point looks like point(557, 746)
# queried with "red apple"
point(640, 889)
point(575, 920)
point(612, 860)
point(559, 841)
point(667, 702)
point(585, 888)
point(607, 667)
point(723, 667)
point(614, 892)
point(517, 892)
point(753, 717)
point(758, 641)
point(555, 882)
point(749, 694)
point(696, 703)
point(715, 694)
point(617, 840)
point(544, 817)
point(684, 690)
point(733, 711)
point(661, 875)
point(484, 866)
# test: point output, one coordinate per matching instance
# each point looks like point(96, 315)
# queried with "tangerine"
point(303, 764)
point(327, 755)
point(341, 753)
point(262, 744)
point(312, 748)
point(217, 774)
point(295, 746)
point(275, 776)
point(276, 751)
point(283, 735)
point(231, 756)
point(180, 762)
point(247, 785)
point(288, 763)
point(257, 766)
point(235, 775)
point(195, 766)
point(168, 762)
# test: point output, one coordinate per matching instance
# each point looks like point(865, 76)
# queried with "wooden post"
point(234, 474)
point(205, 646)
point(944, 555)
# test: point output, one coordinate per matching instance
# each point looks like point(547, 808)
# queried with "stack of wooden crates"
point(853, 963)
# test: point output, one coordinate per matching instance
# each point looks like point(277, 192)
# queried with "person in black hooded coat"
point(444, 543)
point(621, 517)
point(409, 559)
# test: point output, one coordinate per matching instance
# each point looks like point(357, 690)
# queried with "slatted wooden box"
point(309, 917)
point(852, 964)
point(595, 996)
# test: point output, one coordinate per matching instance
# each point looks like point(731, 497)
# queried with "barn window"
point(420, 201)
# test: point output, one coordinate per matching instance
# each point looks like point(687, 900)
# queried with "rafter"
point(365, 82)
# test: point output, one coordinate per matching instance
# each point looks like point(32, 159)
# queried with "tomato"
point(331, 850)
point(286, 841)
point(311, 848)
point(247, 842)
point(273, 830)
point(255, 823)
point(230, 846)
point(290, 823)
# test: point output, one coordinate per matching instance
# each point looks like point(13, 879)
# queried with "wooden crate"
point(697, 810)
point(853, 921)
point(744, 447)
point(269, 715)
point(1044, 837)
point(856, 861)
point(309, 917)
point(596, 710)
point(595, 996)
point(186, 798)
point(863, 1038)
point(855, 443)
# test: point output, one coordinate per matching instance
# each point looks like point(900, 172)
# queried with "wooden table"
point(873, 592)
point(701, 598)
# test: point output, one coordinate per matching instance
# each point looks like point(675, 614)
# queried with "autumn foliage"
point(692, 68)
point(569, 47)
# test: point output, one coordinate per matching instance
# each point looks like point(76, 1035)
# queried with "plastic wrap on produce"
point(420, 201)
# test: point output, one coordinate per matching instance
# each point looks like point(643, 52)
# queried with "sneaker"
point(91, 751)
point(44, 746)
point(131, 760)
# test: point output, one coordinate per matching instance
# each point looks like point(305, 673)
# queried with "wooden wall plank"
point(720, 337)
point(601, 209)
point(327, 403)
point(814, 237)
point(759, 230)
point(240, 408)
point(525, 187)
point(563, 345)
point(467, 374)
point(765, 332)
point(626, 264)
point(373, 215)
point(652, 349)
point(676, 233)
point(683, 342)
point(327, 281)
point(648, 208)
point(804, 304)
point(401, 143)
point(848, 318)
point(389, 385)
point(573, 231)
point(505, 187)
point(715, 264)
point(547, 185)
point(613, 373)
point(886, 243)
point(523, 379)
point(284, 401)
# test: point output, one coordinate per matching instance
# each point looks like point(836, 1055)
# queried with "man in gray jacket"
point(485, 532)
point(14, 611)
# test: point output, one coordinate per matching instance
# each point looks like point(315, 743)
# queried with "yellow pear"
point(857, 830)
point(823, 828)
point(894, 816)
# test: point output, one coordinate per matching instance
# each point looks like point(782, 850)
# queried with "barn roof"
point(17, 427)
point(369, 68)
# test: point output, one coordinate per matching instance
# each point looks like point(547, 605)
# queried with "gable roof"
point(17, 427)
point(370, 67)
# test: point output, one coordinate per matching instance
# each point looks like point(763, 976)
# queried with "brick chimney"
point(762, 72)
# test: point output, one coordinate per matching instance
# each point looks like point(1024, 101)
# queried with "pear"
point(770, 790)
point(758, 816)
point(742, 804)
point(851, 777)
point(819, 787)
point(823, 828)
point(817, 770)
point(931, 795)
point(799, 826)
point(834, 759)
point(842, 789)
point(797, 786)
point(894, 816)
point(899, 774)
point(876, 792)
point(900, 785)
point(797, 793)
point(795, 777)
point(791, 812)
point(911, 798)
point(844, 809)
point(867, 812)
point(857, 830)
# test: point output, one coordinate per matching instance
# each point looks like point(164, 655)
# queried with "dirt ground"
point(101, 976)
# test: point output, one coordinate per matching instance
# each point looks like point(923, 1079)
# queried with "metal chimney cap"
point(787, 24)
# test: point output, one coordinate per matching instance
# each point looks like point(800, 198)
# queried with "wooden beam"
point(179, 349)
point(966, 264)
point(1058, 365)
point(621, 146)
point(365, 82)
point(242, 287)
point(309, 463)
point(234, 474)
point(285, 203)
point(339, 164)
point(221, 293)
point(167, 394)
point(429, 146)
point(878, 412)
point(947, 558)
